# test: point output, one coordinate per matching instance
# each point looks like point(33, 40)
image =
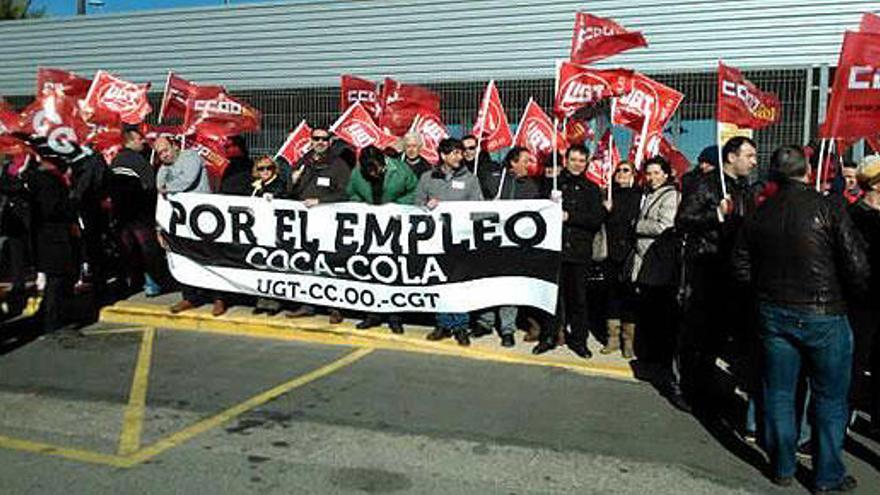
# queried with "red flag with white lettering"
point(110, 98)
point(854, 109)
point(491, 127)
point(177, 91)
point(740, 102)
point(211, 146)
point(357, 128)
point(578, 87)
point(297, 144)
point(56, 118)
point(212, 104)
point(535, 132)
point(596, 38)
point(355, 89)
point(431, 129)
point(578, 131)
point(603, 161)
point(60, 81)
point(401, 103)
point(647, 97)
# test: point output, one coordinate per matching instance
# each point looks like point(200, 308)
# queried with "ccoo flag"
point(740, 102)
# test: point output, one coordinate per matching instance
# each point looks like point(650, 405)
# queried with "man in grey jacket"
point(450, 181)
point(184, 171)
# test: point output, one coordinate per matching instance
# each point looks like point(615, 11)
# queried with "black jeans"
point(571, 306)
point(59, 289)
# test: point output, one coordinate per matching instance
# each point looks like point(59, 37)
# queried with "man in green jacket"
point(380, 180)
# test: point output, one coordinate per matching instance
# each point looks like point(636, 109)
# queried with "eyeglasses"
point(623, 170)
point(470, 148)
point(263, 169)
point(320, 138)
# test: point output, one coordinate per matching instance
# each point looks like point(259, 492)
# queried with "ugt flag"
point(297, 144)
point(854, 109)
point(357, 128)
point(595, 38)
point(535, 132)
point(110, 98)
point(740, 102)
point(431, 129)
point(578, 87)
point(491, 127)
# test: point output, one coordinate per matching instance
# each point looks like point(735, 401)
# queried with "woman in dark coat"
point(267, 184)
point(623, 210)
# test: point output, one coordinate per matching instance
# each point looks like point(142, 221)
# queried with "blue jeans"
point(453, 321)
point(825, 344)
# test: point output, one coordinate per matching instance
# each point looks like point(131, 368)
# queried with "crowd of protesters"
point(690, 269)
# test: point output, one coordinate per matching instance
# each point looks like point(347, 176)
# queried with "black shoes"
point(543, 347)
point(439, 334)
point(480, 330)
point(368, 322)
point(461, 336)
point(846, 485)
point(782, 480)
point(396, 327)
point(507, 340)
point(581, 350)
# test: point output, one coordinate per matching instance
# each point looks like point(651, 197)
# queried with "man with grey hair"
point(412, 145)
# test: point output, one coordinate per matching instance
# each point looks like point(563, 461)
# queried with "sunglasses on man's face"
point(320, 138)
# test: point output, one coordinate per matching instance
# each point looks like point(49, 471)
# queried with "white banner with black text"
point(458, 257)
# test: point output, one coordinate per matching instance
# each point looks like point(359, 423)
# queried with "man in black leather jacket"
point(803, 258)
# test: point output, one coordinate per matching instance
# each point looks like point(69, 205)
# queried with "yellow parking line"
point(113, 331)
point(187, 434)
point(133, 420)
point(65, 452)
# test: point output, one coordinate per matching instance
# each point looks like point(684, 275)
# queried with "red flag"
point(578, 131)
point(603, 161)
point(357, 128)
point(578, 87)
point(535, 132)
point(59, 81)
point(647, 97)
point(854, 109)
point(110, 98)
point(355, 89)
point(297, 144)
point(152, 133)
point(212, 104)
point(870, 23)
point(874, 143)
point(740, 102)
point(680, 163)
point(108, 141)
point(56, 118)
point(491, 126)
point(13, 146)
point(401, 103)
point(177, 91)
point(211, 147)
point(596, 38)
point(8, 118)
point(431, 129)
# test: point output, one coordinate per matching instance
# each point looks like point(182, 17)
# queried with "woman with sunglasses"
point(623, 210)
point(267, 184)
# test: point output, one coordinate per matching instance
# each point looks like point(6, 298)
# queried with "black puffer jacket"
point(800, 249)
point(697, 217)
point(621, 221)
point(583, 201)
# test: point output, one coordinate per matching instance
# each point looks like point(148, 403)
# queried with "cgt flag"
point(402, 103)
point(596, 38)
point(110, 99)
point(431, 129)
point(60, 81)
point(491, 127)
point(854, 109)
point(357, 128)
point(740, 102)
point(535, 132)
point(355, 89)
point(578, 87)
point(297, 144)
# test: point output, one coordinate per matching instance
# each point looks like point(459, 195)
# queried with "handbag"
point(600, 245)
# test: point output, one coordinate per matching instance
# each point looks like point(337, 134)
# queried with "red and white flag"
point(535, 132)
point(8, 118)
point(870, 23)
point(58, 119)
point(854, 109)
point(647, 97)
point(596, 38)
point(357, 128)
point(110, 98)
point(297, 144)
point(177, 91)
point(578, 131)
point(355, 89)
point(152, 133)
point(431, 129)
point(402, 103)
point(491, 127)
point(212, 104)
point(212, 148)
point(12, 146)
point(740, 102)
point(108, 142)
point(60, 81)
point(578, 87)
point(603, 161)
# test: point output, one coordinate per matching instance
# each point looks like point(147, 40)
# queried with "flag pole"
point(609, 157)
point(555, 154)
point(643, 140)
point(819, 165)
point(483, 112)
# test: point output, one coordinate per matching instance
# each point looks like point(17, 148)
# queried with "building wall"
point(308, 43)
